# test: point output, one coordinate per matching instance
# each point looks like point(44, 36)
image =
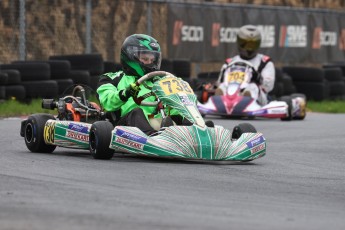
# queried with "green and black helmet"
point(248, 41)
point(140, 54)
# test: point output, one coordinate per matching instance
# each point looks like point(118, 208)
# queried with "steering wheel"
point(244, 63)
point(140, 81)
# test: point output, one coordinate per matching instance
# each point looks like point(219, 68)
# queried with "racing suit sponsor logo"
point(129, 143)
point(130, 136)
point(187, 33)
point(293, 36)
point(77, 136)
point(323, 38)
point(78, 128)
point(255, 142)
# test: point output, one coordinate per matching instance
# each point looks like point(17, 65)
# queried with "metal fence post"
point(88, 36)
point(22, 38)
point(149, 17)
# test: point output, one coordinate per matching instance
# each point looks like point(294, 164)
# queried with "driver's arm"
point(109, 91)
point(268, 77)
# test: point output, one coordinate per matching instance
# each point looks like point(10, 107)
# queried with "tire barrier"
point(41, 89)
point(182, 68)
point(278, 88)
point(288, 85)
point(63, 84)
point(94, 82)
point(90, 62)
point(3, 79)
point(59, 69)
point(30, 71)
point(336, 82)
point(110, 66)
point(309, 81)
point(14, 76)
point(17, 92)
point(80, 77)
point(2, 92)
point(167, 65)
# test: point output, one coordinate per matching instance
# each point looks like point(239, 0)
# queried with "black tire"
point(41, 89)
point(31, 71)
point(289, 87)
point(110, 66)
point(241, 128)
point(59, 69)
point(182, 68)
point(99, 140)
point(2, 92)
point(317, 91)
point(34, 133)
point(15, 92)
point(80, 77)
point(94, 82)
point(93, 63)
point(63, 84)
point(3, 78)
point(288, 100)
point(14, 77)
point(304, 74)
point(333, 74)
point(167, 65)
point(209, 124)
point(294, 95)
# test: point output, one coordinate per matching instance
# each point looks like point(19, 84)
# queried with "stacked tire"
point(309, 81)
point(35, 78)
point(85, 68)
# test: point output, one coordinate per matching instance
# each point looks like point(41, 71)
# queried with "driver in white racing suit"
point(248, 43)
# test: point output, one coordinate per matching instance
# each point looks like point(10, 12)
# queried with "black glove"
point(256, 78)
point(131, 91)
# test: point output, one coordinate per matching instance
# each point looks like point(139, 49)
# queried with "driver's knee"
point(137, 112)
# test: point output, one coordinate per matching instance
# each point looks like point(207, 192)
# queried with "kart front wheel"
point(34, 133)
point(99, 140)
point(239, 129)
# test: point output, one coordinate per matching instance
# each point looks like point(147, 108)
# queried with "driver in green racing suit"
point(140, 54)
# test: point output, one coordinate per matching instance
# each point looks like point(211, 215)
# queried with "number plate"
point(174, 85)
point(236, 77)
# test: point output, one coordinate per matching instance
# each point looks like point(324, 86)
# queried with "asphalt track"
point(299, 184)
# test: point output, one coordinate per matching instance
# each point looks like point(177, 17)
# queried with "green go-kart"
point(82, 124)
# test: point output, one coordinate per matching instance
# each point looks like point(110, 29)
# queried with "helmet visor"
point(248, 44)
point(148, 58)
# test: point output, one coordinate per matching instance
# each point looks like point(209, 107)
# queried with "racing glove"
point(131, 91)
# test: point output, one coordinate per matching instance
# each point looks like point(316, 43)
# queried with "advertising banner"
point(207, 33)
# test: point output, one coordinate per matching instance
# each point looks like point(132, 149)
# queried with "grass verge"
point(12, 108)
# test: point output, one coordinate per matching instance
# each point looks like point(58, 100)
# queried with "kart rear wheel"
point(99, 140)
point(304, 108)
point(34, 133)
point(288, 100)
point(239, 129)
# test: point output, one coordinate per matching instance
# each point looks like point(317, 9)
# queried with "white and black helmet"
point(248, 41)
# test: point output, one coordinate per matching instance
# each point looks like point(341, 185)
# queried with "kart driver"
point(140, 54)
point(248, 44)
